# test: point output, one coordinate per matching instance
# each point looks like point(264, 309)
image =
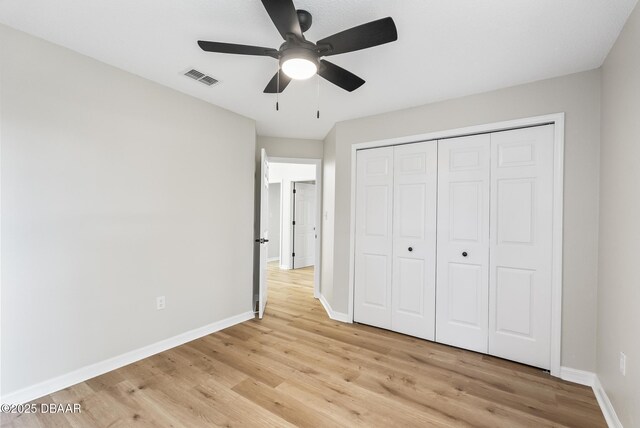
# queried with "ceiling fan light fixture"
point(299, 68)
point(299, 58)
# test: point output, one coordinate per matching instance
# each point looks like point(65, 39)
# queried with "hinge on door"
point(294, 222)
point(294, 190)
point(293, 254)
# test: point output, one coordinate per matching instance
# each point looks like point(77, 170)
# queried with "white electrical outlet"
point(160, 303)
point(623, 364)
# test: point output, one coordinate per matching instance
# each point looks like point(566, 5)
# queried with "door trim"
point(318, 256)
point(292, 225)
point(557, 119)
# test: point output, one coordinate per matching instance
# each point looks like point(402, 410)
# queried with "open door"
point(304, 224)
point(263, 239)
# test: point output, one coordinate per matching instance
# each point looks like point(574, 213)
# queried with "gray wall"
point(328, 215)
point(114, 192)
point(290, 147)
point(619, 276)
point(274, 220)
point(578, 96)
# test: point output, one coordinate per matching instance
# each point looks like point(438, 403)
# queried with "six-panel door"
point(463, 242)
point(521, 245)
point(494, 241)
point(374, 237)
point(414, 236)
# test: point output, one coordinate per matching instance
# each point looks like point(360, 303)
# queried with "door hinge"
point(294, 190)
point(294, 222)
point(293, 254)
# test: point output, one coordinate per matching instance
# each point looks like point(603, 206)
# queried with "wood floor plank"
point(284, 405)
point(297, 367)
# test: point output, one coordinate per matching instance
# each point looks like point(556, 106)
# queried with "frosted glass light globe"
point(299, 68)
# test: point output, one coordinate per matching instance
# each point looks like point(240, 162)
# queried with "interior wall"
point(111, 196)
point(290, 147)
point(274, 221)
point(577, 95)
point(291, 172)
point(619, 277)
point(328, 213)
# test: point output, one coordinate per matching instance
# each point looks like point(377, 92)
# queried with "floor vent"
point(201, 77)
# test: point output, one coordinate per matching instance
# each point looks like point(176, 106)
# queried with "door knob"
point(464, 254)
point(410, 249)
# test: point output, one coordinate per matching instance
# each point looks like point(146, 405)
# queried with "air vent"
point(208, 80)
point(201, 77)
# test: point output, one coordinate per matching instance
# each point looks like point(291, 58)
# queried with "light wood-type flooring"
point(296, 367)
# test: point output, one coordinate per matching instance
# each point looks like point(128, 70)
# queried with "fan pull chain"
point(278, 89)
point(318, 99)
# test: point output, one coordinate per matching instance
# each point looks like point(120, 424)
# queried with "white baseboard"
point(80, 375)
point(337, 316)
point(583, 377)
point(605, 405)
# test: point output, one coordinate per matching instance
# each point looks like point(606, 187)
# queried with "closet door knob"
point(464, 254)
point(410, 249)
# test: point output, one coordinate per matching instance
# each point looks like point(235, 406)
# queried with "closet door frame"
point(557, 119)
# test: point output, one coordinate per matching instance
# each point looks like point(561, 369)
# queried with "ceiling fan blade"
point(231, 48)
point(363, 36)
point(339, 76)
point(284, 16)
point(273, 85)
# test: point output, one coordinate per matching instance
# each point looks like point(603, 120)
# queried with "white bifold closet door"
point(463, 242)
point(521, 245)
point(495, 205)
point(485, 283)
point(395, 238)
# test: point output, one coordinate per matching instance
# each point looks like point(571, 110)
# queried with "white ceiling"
point(445, 49)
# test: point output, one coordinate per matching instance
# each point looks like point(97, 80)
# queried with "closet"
point(396, 238)
point(453, 241)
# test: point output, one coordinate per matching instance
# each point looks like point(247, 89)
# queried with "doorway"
point(303, 227)
point(289, 206)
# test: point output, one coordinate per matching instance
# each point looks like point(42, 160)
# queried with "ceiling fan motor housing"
point(299, 49)
point(305, 19)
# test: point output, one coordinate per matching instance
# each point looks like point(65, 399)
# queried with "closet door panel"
point(374, 234)
point(463, 242)
point(521, 245)
point(414, 237)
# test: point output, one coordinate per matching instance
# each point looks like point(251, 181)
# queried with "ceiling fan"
point(299, 58)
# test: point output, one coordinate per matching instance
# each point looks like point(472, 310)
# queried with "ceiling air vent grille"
point(201, 77)
point(208, 80)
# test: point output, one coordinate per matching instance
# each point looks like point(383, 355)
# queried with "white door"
point(374, 214)
point(304, 217)
point(263, 239)
point(414, 239)
point(463, 242)
point(521, 245)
